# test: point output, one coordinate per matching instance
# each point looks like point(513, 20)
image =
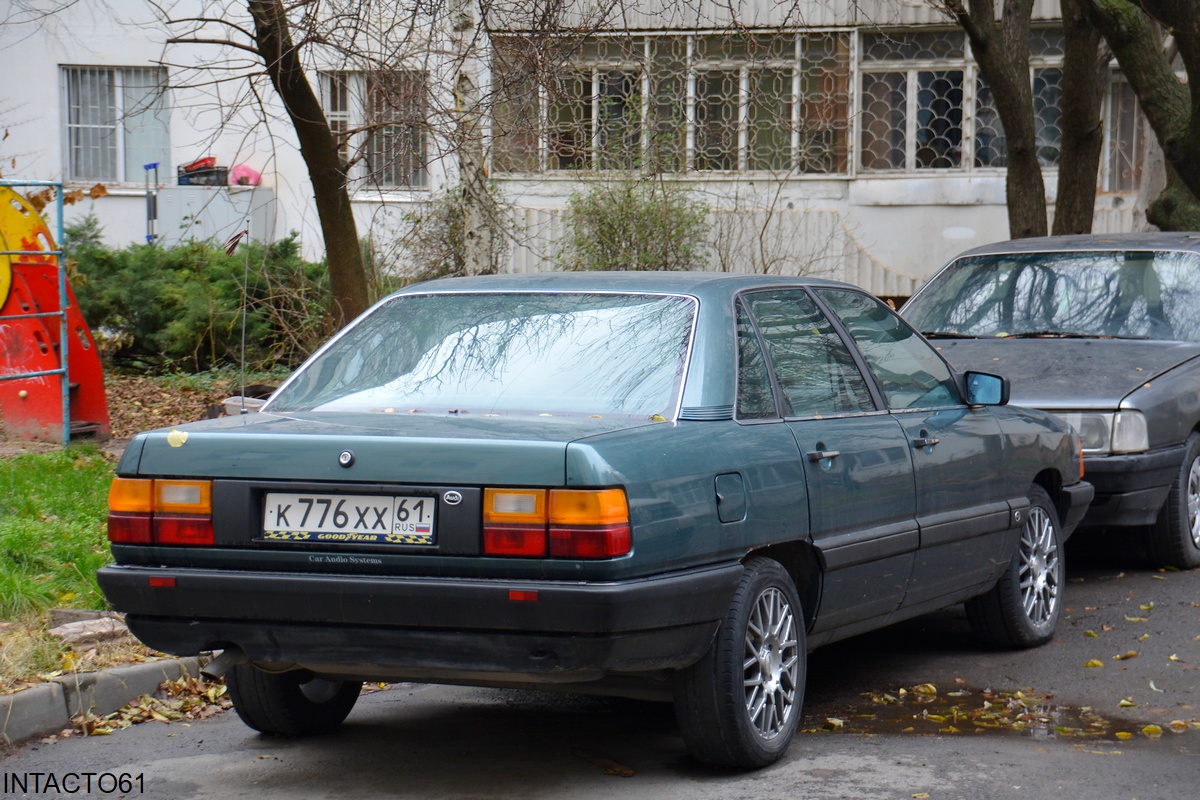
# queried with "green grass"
point(52, 529)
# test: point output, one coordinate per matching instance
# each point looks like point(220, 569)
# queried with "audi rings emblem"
point(452, 498)
point(346, 458)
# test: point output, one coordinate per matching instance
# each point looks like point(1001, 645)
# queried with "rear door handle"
point(818, 455)
point(924, 441)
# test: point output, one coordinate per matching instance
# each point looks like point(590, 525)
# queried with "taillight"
point(172, 512)
point(561, 523)
point(514, 522)
point(588, 523)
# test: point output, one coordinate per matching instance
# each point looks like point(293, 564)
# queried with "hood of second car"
point(1068, 373)
point(399, 448)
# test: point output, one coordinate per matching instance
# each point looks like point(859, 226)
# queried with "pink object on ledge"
point(244, 175)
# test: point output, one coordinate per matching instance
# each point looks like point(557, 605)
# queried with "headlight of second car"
point(1109, 431)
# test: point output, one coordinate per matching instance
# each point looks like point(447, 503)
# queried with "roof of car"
point(1156, 240)
point(668, 282)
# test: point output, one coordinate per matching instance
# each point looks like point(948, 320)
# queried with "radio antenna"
point(230, 247)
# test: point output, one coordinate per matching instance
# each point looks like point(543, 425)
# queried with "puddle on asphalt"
point(927, 710)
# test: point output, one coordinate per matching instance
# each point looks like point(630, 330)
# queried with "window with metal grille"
point(116, 122)
point(706, 103)
point(1125, 139)
point(912, 100)
point(380, 122)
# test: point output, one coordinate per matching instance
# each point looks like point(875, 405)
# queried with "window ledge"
point(933, 189)
point(390, 196)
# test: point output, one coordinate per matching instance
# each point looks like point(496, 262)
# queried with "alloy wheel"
point(771, 663)
point(1193, 502)
point(1039, 567)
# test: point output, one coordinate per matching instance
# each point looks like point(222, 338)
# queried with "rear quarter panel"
point(669, 472)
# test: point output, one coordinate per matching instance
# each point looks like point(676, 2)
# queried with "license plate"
point(349, 518)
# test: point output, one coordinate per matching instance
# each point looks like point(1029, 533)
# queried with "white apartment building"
point(851, 139)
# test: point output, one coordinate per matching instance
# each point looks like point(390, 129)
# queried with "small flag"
point(232, 242)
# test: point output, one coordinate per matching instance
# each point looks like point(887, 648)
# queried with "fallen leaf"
point(1128, 654)
point(834, 724)
point(1127, 703)
point(1092, 634)
point(1156, 689)
point(1137, 619)
point(921, 796)
point(1172, 657)
point(1147, 606)
point(1124, 735)
point(1152, 731)
point(1143, 637)
point(925, 689)
point(1095, 662)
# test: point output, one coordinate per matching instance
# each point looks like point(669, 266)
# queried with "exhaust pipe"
point(230, 657)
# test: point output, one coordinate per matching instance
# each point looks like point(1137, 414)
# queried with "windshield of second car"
point(1130, 294)
point(493, 353)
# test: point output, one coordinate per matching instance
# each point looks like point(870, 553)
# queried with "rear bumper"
point(428, 628)
point(1130, 489)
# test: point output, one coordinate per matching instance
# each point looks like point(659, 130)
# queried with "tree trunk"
point(1176, 208)
point(347, 275)
point(1085, 76)
point(1002, 51)
point(1168, 104)
point(479, 209)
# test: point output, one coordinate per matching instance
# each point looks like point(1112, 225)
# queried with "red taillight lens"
point(506, 540)
point(172, 512)
point(183, 530)
point(128, 528)
point(607, 542)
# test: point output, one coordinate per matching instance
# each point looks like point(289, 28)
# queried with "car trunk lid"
point(381, 448)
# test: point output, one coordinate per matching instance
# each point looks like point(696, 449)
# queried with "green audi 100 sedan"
point(659, 484)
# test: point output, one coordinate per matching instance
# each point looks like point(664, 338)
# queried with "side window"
point(754, 397)
point(814, 367)
point(909, 372)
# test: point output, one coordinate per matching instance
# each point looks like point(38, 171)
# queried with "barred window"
point(116, 122)
point(912, 101)
point(767, 103)
point(379, 120)
point(1125, 139)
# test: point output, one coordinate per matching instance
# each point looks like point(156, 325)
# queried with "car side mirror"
point(984, 389)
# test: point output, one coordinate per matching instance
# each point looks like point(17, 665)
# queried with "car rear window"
point(1125, 294)
point(501, 353)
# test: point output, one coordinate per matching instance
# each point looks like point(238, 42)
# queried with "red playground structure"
point(47, 392)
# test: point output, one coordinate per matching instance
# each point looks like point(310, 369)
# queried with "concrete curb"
point(47, 709)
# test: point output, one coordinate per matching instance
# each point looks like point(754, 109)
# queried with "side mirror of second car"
point(984, 389)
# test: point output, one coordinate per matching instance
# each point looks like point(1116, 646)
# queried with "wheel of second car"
point(1022, 610)
point(1174, 539)
point(295, 703)
point(739, 706)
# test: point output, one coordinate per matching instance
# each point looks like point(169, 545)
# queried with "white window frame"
point(640, 69)
point(117, 128)
point(353, 117)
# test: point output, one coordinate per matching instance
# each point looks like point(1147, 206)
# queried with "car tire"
point(290, 703)
point(1174, 538)
point(1023, 608)
point(739, 706)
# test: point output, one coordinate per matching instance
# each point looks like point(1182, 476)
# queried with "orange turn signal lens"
point(131, 496)
point(588, 507)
